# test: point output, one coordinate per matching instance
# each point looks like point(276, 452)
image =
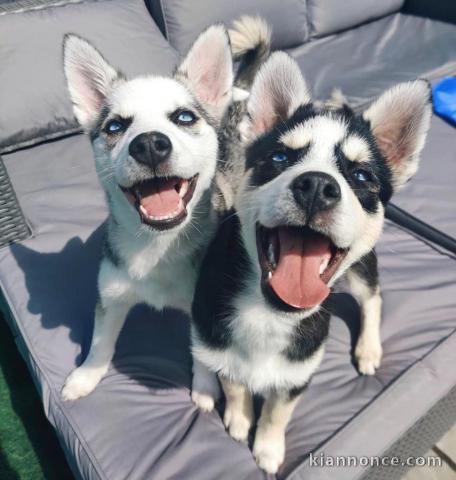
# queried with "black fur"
point(264, 169)
point(258, 155)
point(296, 391)
point(249, 63)
point(308, 336)
point(96, 130)
point(367, 270)
point(204, 114)
point(225, 265)
point(381, 186)
point(221, 279)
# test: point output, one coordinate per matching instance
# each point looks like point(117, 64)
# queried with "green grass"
point(29, 449)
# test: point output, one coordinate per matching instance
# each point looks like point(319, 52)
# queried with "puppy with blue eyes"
point(309, 208)
point(155, 142)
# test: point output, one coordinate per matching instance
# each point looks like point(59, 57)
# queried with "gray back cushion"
point(183, 20)
point(34, 102)
point(330, 16)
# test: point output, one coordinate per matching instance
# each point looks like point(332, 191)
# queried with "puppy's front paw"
point(204, 401)
point(205, 390)
point(269, 450)
point(368, 354)
point(238, 423)
point(80, 383)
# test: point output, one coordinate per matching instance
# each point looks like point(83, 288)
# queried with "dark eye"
point(184, 117)
point(115, 126)
point(279, 157)
point(361, 175)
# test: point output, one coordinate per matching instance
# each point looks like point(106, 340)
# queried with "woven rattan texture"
point(13, 226)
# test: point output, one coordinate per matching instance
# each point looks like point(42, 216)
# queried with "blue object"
point(444, 99)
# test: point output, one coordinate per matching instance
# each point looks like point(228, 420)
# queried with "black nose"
point(316, 192)
point(151, 148)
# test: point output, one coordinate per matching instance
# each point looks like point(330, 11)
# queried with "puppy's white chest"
point(168, 285)
point(256, 356)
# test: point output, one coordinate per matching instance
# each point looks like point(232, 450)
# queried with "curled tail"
point(337, 99)
point(251, 44)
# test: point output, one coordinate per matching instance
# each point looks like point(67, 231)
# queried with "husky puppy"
point(309, 208)
point(155, 142)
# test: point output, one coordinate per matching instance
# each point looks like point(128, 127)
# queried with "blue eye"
point(114, 126)
point(185, 117)
point(361, 175)
point(279, 157)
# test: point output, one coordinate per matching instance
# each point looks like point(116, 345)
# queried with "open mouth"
point(297, 264)
point(162, 202)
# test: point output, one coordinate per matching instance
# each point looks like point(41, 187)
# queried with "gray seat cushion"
point(367, 60)
point(182, 20)
point(35, 105)
point(330, 16)
point(140, 422)
point(431, 195)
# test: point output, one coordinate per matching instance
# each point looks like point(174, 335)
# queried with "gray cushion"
point(329, 16)
point(34, 102)
point(140, 422)
point(184, 20)
point(366, 60)
point(431, 195)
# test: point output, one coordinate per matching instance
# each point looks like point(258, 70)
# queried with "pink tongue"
point(296, 280)
point(159, 198)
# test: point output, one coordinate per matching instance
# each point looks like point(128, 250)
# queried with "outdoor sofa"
point(140, 422)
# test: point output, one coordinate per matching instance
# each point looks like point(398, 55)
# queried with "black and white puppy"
point(155, 142)
point(309, 208)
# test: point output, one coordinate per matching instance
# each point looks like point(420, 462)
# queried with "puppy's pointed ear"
point(399, 120)
point(89, 78)
point(208, 70)
point(277, 91)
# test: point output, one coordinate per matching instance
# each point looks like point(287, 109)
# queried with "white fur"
point(255, 362)
point(337, 99)
point(356, 149)
point(260, 335)
point(150, 100)
point(238, 416)
point(247, 33)
point(368, 351)
point(205, 387)
point(269, 445)
point(254, 359)
point(208, 70)
point(298, 137)
point(273, 204)
point(278, 90)
point(158, 268)
point(89, 78)
point(400, 120)
point(154, 278)
point(109, 321)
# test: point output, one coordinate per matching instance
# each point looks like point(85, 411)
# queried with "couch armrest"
point(443, 10)
point(13, 226)
point(422, 229)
